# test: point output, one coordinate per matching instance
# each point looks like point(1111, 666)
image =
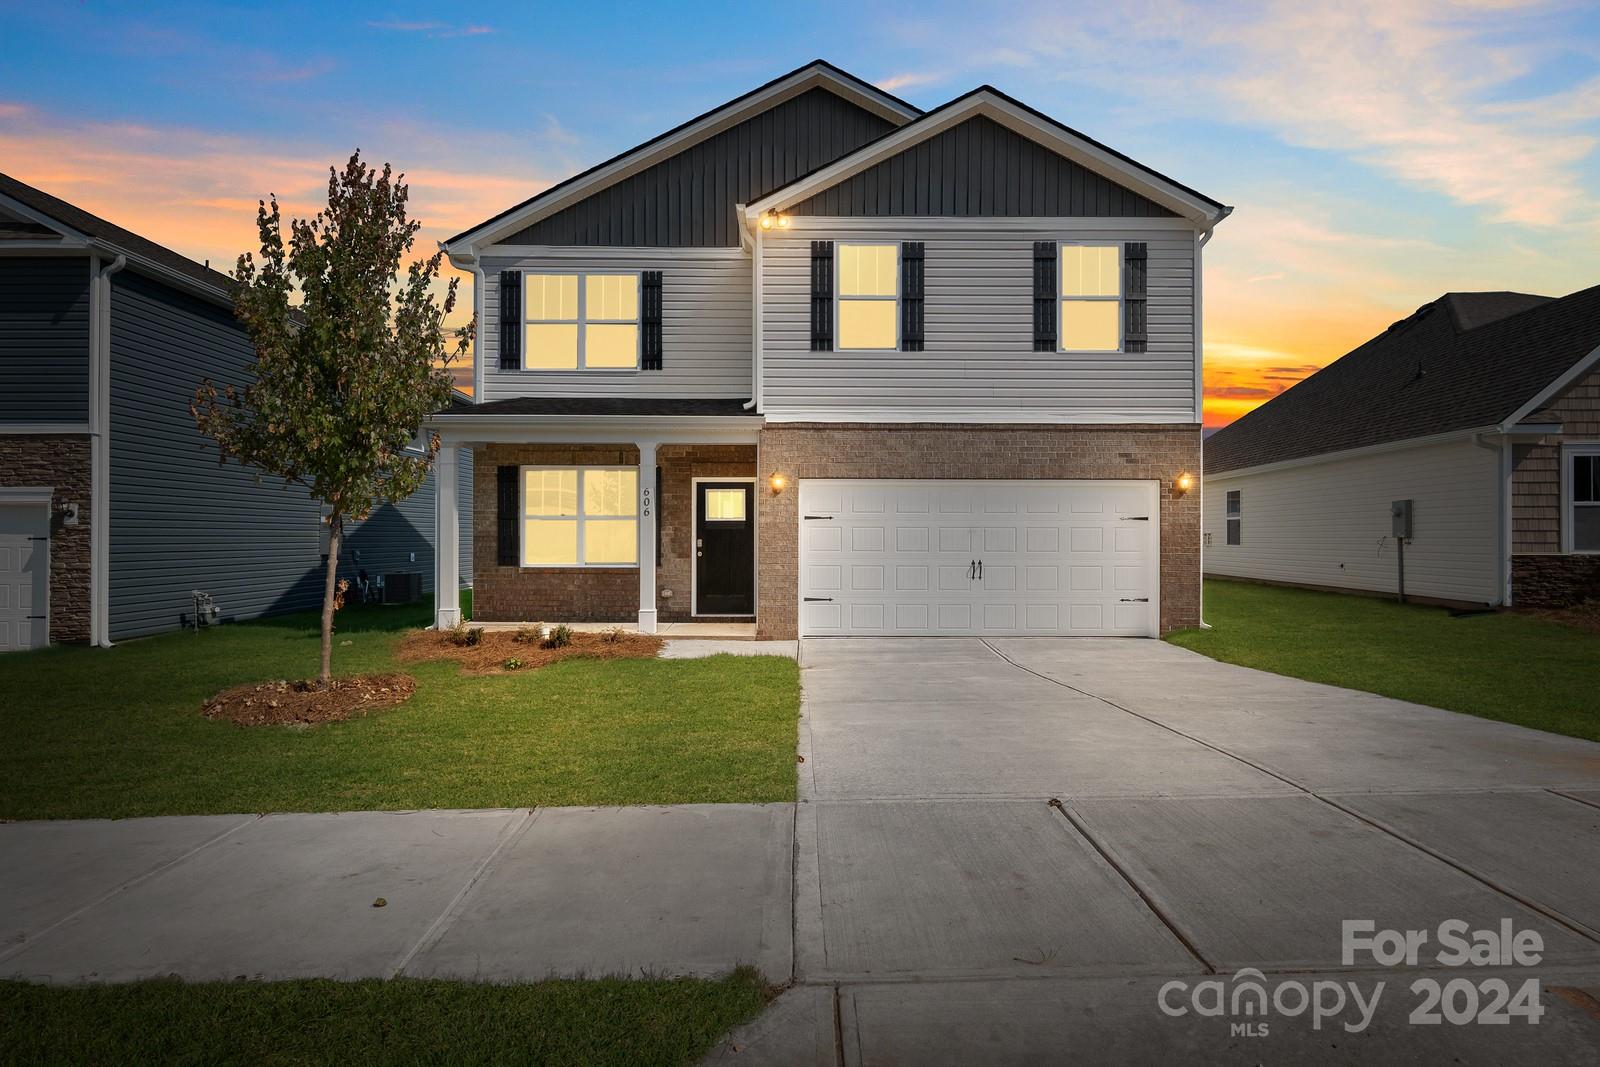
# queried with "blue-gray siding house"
point(113, 507)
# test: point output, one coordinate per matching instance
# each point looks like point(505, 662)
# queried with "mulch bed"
point(299, 703)
point(496, 647)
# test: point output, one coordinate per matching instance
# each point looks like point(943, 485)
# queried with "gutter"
point(100, 450)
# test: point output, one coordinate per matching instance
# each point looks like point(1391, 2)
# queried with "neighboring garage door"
point(24, 575)
point(968, 557)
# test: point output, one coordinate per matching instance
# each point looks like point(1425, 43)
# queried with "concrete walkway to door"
point(1006, 848)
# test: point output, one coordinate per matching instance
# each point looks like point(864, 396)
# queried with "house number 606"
point(645, 502)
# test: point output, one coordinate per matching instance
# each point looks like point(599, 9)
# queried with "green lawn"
point(116, 733)
point(1501, 666)
point(609, 1021)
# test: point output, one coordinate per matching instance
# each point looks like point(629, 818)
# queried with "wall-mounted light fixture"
point(1183, 483)
point(777, 482)
point(774, 219)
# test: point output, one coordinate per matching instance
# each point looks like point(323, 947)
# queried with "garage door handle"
point(819, 516)
point(1134, 600)
point(972, 569)
point(980, 570)
point(1135, 518)
point(815, 599)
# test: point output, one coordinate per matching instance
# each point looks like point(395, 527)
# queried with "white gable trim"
point(709, 125)
point(1549, 392)
point(70, 238)
point(1200, 213)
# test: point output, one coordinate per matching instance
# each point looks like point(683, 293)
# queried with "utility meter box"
point(1400, 518)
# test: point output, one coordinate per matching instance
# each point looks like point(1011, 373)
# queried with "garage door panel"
point(1058, 558)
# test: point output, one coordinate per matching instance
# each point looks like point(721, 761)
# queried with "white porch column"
point(647, 537)
point(446, 538)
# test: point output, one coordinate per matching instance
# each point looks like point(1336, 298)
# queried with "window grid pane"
point(549, 542)
point(611, 297)
point(1090, 270)
point(613, 541)
point(1586, 479)
point(610, 345)
point(725, 505)
point(550, 492)
point(1091, 325)
point(551, 346)
point(610, 492)
point(868, 270)
point(867, 323)
point(550, 297)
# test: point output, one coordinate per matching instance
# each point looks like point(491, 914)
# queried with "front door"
point(724, 548)
point(24, 575)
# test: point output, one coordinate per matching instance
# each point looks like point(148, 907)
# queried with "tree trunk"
point(330, 590)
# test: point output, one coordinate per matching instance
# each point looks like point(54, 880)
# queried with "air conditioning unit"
point(402, 587)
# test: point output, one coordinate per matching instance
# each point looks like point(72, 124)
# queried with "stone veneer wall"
point(594, 594)
point(1554, 581)
point(834, 450)
point(61, 462)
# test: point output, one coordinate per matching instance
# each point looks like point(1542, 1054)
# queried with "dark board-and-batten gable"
point(979, 168)
point(687, 200)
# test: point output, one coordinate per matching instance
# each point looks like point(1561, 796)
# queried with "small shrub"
point(513, 664)
point(560, 637)
point(464, 636)
point(528, 635)
point(615, 634)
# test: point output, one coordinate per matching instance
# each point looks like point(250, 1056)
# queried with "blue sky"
point(1378, 153)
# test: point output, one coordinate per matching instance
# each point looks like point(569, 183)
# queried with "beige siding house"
point(1482, 410)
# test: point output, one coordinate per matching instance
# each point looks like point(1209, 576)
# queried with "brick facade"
point(805, 450)
point(59, 462)
point(1554, 581)
point(594, 594)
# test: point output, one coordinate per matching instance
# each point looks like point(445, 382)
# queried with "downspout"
point(100, 452)
point(1503, 452)
point(756, 386)
point(1200, 393)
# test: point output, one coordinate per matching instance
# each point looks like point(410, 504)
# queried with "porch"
point(596, 513)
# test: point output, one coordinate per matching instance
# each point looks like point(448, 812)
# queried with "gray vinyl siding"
point(979, 168)
point(44, 339)
point(687, 200)
point(705, 331)
point(179, 520)
point(979, 359)
point(385, 541)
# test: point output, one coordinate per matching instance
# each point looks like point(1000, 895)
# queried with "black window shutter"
point(911, 262)
point(822, 296)
point(508, 546)
point(650, 320)
point(1135, 287)
point(510, 320)
point(1044, 296)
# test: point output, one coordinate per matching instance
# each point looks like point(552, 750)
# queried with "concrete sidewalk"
point(520, 894)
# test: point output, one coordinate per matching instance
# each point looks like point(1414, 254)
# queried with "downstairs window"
point(1582, 518)
point(580, 516)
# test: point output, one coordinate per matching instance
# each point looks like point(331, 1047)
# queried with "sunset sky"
point(1378, 153)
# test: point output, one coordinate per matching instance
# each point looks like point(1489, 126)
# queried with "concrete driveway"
point(1005, 848)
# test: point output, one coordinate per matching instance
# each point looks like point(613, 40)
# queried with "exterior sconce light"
point(777, 482)
point(1183, 483)
point(773, 218)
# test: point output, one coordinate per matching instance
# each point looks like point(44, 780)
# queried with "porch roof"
point(592, 406)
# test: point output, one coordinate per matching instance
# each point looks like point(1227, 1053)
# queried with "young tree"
point(341, 382)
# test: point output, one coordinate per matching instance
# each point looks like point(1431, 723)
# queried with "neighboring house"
point(113, 507)
point(823, 362)
point(1482, 410)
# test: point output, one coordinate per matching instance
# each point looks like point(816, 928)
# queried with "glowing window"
point(580, 516)
point(869, 296)
point(1091, 298)
point(725, 505)
point(581, 321)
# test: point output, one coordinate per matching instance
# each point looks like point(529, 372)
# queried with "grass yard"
point(116, 733)
point(608, 1021)
point(1510, 667)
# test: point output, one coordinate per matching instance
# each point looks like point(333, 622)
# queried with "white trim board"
point(42, 429)
point(1351, 453)
point(990, 104)
point(27, 494)
point(1569, 450)
point(755, 543)
point(981, 416)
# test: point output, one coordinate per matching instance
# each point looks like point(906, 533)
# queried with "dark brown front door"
point(725, 548)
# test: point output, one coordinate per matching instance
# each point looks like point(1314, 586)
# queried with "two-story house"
point(827, 363)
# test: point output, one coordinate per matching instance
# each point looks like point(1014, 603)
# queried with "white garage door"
point(969, 557)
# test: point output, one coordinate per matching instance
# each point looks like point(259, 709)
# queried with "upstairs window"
point(1582, 518)
point(580, 516)
point(1234, 510)
point(581, 321)
point(1091, 298)
point(869, 296)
